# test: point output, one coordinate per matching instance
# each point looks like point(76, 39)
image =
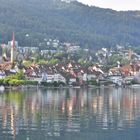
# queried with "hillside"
point(75, 22)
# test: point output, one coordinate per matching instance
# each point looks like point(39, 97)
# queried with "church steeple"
point(12, 48)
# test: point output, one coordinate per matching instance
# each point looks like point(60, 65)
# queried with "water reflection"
point(63, 113)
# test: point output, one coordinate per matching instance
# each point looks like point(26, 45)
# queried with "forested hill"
point(75, 22)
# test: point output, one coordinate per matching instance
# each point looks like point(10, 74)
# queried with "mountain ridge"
point(88, 26)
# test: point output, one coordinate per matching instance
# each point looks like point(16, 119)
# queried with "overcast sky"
point(115, 4)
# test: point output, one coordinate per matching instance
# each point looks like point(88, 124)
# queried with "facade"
point(2, 74)
point(72, 80)
point(53, 78)
point(28, 49)
point(116, 79)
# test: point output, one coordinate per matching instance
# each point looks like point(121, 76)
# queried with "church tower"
point(12, 48)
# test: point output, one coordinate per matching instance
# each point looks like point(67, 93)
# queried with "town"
point(67, 64)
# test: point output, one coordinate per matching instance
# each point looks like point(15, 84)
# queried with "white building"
point(2, 75)
point(72, 80)
point(116, 79)
point(27, 49)
point(53, 78)
point(88, 77)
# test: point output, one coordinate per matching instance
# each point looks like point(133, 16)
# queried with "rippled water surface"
point(70, 114)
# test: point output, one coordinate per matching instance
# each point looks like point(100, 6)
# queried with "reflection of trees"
point(69, 110)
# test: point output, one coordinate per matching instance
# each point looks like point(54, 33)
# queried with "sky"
point(114, 4)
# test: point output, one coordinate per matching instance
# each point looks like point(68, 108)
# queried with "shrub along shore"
point(17, 80)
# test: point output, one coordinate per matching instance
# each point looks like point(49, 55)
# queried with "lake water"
point(70, 114)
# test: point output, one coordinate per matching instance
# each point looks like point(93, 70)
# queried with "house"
point(72, 79)
point(2, 74)
point(53, 78)
point(116, 79)
point(71, 49)
point(59, 78)
point(27, 49)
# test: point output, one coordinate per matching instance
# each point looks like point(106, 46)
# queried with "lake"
point(70, 114)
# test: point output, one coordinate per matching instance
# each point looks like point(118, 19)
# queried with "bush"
point(18, 76)
point(134, 81)
point(46, 84)
point(1, 81)
point(93, 82)
point(16, 82)
point(6, 81)
point(54, 84)
point(28, 82)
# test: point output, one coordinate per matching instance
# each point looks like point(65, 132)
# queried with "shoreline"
point(28, 87)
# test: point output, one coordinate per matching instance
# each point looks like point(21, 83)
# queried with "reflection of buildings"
point(70, 110)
